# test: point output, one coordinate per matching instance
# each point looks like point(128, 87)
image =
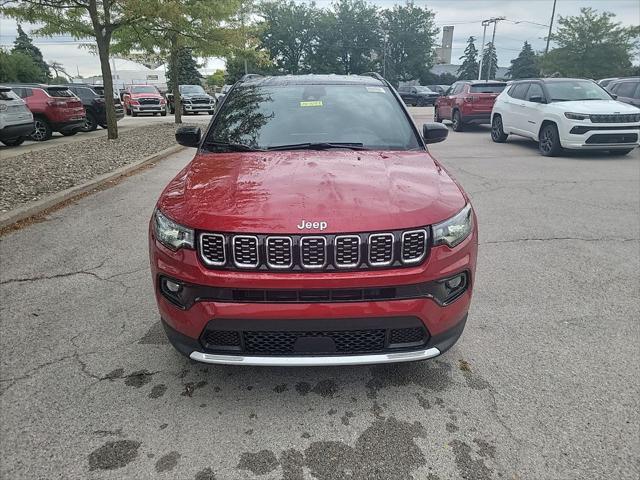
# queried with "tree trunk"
point(107, 80)
point(175, 84)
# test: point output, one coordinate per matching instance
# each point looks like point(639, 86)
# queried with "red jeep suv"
point(468, 101)
point(312, 227)
point(55, 109)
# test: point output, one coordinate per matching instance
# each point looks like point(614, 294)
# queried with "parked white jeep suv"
point(16, 120)
point(565, 113)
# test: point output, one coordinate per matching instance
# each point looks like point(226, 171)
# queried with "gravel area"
point(32, 176)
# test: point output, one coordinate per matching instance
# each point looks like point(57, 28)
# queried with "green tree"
point(216, 79)
point(592, 45)
point(287, 32)
point(489, 62)
point(525, 65)
point(60, 74)
point(410, 37)
point(24, 44)
point(355, 33)
point(469, 68)
point(97, 19)
point(18, 67)
point(168, 27)
point(187, 68)
point(253, 60)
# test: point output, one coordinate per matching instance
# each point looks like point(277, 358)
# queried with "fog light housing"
point(454, 283)
point(453, 287)
point(173, 291)
point(172, 286)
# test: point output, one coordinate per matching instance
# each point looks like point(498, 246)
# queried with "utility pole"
point(553, 14)
point(485, 24)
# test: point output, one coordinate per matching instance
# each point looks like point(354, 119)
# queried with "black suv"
point(92, 97)
point(194, 100)
point(626, 90)
point(417, 95)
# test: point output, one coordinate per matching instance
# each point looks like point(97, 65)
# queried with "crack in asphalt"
point(73, 273)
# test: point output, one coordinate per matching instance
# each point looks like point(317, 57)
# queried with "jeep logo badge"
point(309, 225)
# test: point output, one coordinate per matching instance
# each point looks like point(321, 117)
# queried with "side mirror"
point(537, 99)
point(188, 136)
point(434, 132)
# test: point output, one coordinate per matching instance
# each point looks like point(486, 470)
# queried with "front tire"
point(497, 130)
point(549, 143)
point(456, 122)
point(41, 130)
point(163, 113)
point(619, 153)
point(134, 114)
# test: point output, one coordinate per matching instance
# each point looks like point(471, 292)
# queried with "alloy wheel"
point(546, 140)
point(496, 128)
point(39, 131)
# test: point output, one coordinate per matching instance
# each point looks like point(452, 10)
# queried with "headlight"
point(453, 231)
point(172, 235)
point(576, 116)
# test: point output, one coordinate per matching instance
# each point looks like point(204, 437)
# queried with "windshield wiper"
point(320, 146)
point(232, 147)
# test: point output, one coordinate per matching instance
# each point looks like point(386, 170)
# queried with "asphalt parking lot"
point(543, 383)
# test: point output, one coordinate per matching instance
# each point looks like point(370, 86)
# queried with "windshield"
point(272, 116)
point(487, 88)
point(192, 89)
point(144, 89)
point(424, 89)
point(567, 91)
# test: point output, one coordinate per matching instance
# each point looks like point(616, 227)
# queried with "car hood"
point(195, 95)
point(354, 191)
point(145, 95)
point(596, 107)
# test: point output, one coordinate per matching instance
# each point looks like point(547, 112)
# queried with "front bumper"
point(214, 310)
point(435, 346)
point(587, 136)
point(199, 107)
point(147, 108)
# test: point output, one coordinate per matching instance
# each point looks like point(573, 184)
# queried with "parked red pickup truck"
point(143, 99)
point(468, 101)
point(55, 109)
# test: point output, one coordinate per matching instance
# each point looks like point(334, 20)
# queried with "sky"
point(464, 15)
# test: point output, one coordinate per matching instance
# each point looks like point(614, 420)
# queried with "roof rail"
point(249, 76)
point(375, 75)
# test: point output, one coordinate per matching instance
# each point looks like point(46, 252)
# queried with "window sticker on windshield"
point(375, 89)
point(315, 103)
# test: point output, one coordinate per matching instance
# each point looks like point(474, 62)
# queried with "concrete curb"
point(49, 203)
